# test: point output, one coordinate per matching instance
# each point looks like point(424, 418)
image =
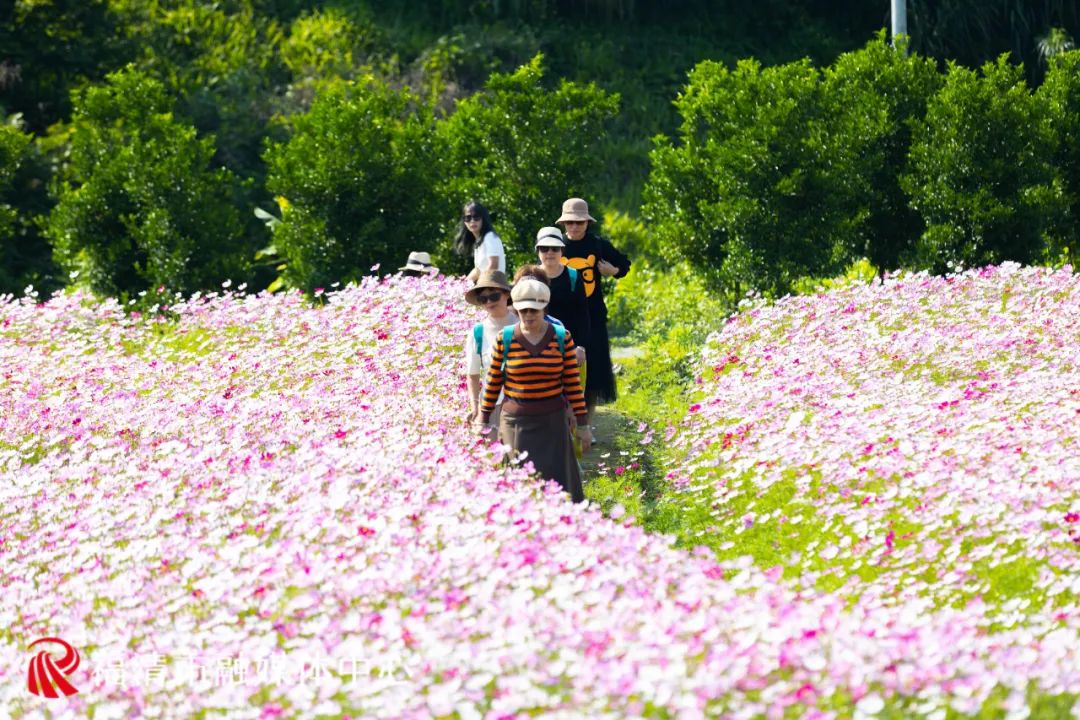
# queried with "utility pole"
point(899, 19)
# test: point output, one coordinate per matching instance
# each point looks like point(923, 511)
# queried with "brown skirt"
point(546, 439)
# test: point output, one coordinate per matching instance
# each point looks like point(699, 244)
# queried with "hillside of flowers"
point(264, 508)
point(912, 448)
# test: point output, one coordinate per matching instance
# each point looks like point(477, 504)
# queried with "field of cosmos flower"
point(262, 508)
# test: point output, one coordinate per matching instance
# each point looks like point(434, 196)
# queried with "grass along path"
point(622, 475)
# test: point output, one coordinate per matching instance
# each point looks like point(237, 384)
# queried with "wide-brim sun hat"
point(550, 237)
point(419, 261)
point(529, 293)
point(487, 279)
point(575, 209)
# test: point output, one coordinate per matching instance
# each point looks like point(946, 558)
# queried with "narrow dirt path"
point(610, 425)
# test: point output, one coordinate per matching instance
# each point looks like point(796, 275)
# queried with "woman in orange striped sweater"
point(539, 371)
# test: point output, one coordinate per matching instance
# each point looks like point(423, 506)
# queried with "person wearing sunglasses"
point(593, 257)
point(568, 301)
point(476, 238)
point(492, 293)
point(536, 368)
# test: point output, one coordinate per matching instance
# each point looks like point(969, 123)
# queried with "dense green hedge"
point(357, 176)
point(521, 149)
point(775, 172)
point(139, 205)
point(13, 150)
point(783, 172)
point(981, 174)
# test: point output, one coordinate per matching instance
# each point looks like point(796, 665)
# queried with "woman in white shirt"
point(477, 237)
point(492, 293)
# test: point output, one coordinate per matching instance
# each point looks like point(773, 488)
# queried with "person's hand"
point(471, 417)
point(606, 269)
point(482, 428)
point(584, 434)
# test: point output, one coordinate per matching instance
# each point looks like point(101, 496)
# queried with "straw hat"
point(419, 261)
point(488, 279)
point(575, 209)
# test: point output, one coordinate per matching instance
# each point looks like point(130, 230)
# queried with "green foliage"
point(220, 60)
point(632, 236)
point(629, 475)
point(659, 317)
point(981, 172)
point(357, 175)
point(657, 376)
point(326, 43)
point(665, 313)
point(776, 173)
point(655, 299)
point(139, 207)
point(14, 145)
point(873, 96)
point(458, 64)
point(521, 150)
point(973, 32)
point(860, 272)
point(25, 256)
point(1061, 94)
point(49, 47)
point(748, 196)
point(325, 48)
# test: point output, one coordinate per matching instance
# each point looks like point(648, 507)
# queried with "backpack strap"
point(478, 336)
point(560, 335)
point(507, 337)
point(573, 278)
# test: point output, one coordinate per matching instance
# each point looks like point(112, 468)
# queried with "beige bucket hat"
point(575, 209)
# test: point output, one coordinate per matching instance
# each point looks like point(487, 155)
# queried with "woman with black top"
point(593, 257)
point(568, 301)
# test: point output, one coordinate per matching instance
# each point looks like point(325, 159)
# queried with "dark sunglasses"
point(468, 218)
point(485, 298)
point(548, 248)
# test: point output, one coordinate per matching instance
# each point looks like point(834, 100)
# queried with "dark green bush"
point(221, 63)
point(14, 145)
point(13, 149)
point(981, 172)
point(521, 149)
point(872, 97)
point(1061, 93)
point(325, 48)
point(139, 206)
point(49, 47)
point(749, 195)
point(357, 175)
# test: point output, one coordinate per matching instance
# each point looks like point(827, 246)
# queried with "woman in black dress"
point(568, 302)
point(593, 257)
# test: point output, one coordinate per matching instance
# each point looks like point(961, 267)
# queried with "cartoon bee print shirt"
point(586, 267)
point(583, 255)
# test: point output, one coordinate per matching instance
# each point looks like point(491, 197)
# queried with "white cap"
point(549, 237)
point(530, 293)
